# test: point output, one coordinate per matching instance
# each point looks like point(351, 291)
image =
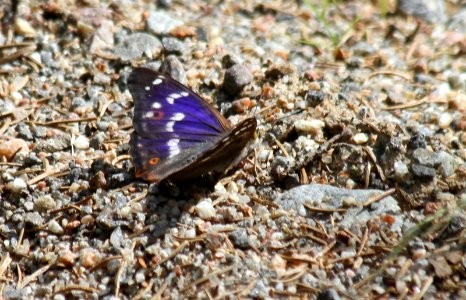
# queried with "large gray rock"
point(330, 197)
point(430, 10)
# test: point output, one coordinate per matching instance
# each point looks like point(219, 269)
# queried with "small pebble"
point(445, 120)
point(173, 67)
point(313, 126)
point(349, 202)
point(66, 258)
point(23, 27)
point(205, 210)
point(45, 203)
point(81, 142)
point(88, 258)
point(360, 138)
point(18, 185)
point(9, 148)
point(54, 227)
point(236, 78)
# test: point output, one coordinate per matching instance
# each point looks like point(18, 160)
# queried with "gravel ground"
point(355, 187)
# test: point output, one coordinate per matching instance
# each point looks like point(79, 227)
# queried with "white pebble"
point(445, 120)
point(205, 210)
point(81, 142)
point(125, 212)
point(309, 126)
point(54, 227)
point(190, 233)
point(360, 138)
point(232, 187)
point(18, 185)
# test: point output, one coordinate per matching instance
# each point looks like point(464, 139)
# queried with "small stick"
point(120, 158)
point(70, 288)
point(425, 286)
point(405, 105)
point(175, 252)
point(30, 278)
point(389, 72)
point(374, 160)
point(47, 173)
point(324, 210)
point(57, 122)
point(379, 197)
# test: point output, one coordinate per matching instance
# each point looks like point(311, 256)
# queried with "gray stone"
point(160, 22)
point(98, 140)
point(423, 172)
point(56, 144)
point(12, 293)
point(446, 163)
point(137, 44)
point(236, 78)
point(240, 238)
point(424, 157)
point(430, 10)
point(103, 38)
point(116, 238)
point(24, 132)
point(173, 67)
point(174, 46)
point(330, 197)
point(34, 218)
point(458, 21)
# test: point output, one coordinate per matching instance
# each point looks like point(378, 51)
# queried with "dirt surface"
point(353, 189)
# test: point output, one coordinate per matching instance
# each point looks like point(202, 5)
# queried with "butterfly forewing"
point(175, 129)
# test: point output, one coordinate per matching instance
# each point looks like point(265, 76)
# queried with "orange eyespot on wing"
point(158, 115)
point(154, 160)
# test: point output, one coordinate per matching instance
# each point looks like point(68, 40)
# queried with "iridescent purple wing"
point(175, 128)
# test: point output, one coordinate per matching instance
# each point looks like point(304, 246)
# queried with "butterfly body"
point(178, 135)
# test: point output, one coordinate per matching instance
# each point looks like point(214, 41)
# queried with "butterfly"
point(177, 134)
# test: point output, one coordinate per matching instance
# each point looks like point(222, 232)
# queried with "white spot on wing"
point(175, 96)
point(169, 126)
point(149, 114)
point(184, 94)
point(156, 105)
point(177, 116)
point(157, 81)
point(170, 100)
point(173, 142)
point(147, 88)
point(174, 149)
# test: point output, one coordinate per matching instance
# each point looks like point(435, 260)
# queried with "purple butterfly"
point(177, 134)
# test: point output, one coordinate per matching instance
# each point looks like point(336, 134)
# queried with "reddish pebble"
point(73, 224)
point(178, 271)
point(88, 258)
point(241, 105)
point(183, 31)
point(389, 219)
point(431, 208)
point(66, 258)
point(9, 148)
